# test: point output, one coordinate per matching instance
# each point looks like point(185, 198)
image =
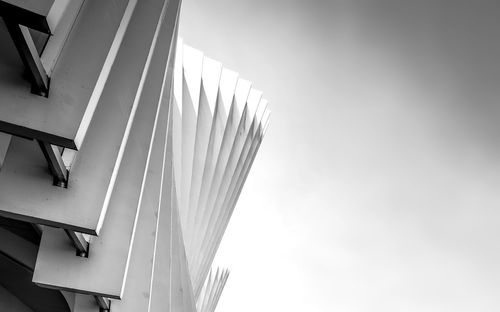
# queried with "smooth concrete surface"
point(82, 206)
point(57, 119)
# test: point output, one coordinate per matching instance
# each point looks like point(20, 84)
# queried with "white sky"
point(377, 185)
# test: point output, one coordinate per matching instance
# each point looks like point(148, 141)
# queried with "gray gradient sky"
point(377, 185)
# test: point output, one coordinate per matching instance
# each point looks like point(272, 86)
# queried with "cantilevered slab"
point(77, 80)
point(135, 199)
point(82, 206)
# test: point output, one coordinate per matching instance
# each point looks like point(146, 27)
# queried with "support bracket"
point(103, 303)
point(29, 55)
point(79, 241)
point(56, 163)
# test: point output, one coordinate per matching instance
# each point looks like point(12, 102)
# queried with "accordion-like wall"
point(218, 123)
point(212, 290)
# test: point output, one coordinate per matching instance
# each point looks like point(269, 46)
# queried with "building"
point(122, 156)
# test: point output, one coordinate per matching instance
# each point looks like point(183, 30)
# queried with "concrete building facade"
point(123, 152)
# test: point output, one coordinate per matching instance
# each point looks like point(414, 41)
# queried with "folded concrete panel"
point(205, 126)
point(212, 289)
point(82, 206)
point(213, 245)
point(230, 133)
point(225, 96)
point(209, 243)
point(237, 151)
point(241, 93)
point(215, 123)
point(177, 117)
point(191, 84)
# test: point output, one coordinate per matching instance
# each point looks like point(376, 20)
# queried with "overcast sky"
point(377, 186)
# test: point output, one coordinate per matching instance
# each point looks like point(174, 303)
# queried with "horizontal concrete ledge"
point(76, 291)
